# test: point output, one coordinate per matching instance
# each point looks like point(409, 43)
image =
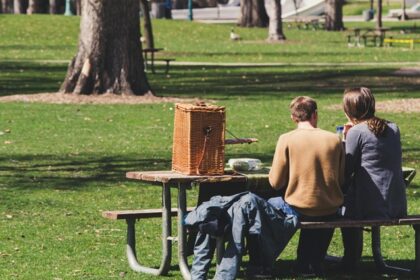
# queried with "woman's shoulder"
point(359, 128)
point(393, 126)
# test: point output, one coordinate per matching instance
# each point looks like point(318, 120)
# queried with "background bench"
point(410, 41)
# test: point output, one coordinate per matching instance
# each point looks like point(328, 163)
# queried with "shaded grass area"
point(227, 81)
point(61, 165)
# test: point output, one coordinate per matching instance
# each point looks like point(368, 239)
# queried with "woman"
point(375, 187)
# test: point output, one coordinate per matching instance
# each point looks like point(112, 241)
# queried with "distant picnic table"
point(150, 59)
point(307, 22)
point(361, 36)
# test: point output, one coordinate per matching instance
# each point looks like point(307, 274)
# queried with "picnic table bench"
point(225, 185)
point(150, 59)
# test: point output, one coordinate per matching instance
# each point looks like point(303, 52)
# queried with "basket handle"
point(201, 104)
point(207, 130)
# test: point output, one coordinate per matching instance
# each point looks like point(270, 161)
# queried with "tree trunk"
point(147, 25)
point(379, 19)
point(7, 6)
point(53, 6)
point(78, 7)
point(334, 15)
point(275, 27)
point(18, 7)
point(404, 7)
point(34, 7)
point(109, 59)
point(253, 14)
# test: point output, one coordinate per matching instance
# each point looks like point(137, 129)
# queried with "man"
point(308, 165)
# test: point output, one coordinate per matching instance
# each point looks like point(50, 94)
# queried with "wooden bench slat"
point(138, 214)
point(409, 220)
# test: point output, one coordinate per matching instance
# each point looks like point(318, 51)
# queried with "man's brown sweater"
point(309, 163)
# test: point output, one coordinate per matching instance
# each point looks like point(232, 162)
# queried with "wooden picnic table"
point(307, 22)
point(150, 60)
point(364, 33)
point(227, 184)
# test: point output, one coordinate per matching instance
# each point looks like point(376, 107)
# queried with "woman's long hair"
point(359, 105)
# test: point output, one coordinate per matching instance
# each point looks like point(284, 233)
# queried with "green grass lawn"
point(61, 165)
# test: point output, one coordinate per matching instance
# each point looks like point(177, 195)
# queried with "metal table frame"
point(168, 179)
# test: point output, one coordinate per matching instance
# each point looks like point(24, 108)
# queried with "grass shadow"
point(224, 82)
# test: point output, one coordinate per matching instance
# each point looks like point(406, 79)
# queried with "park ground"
point(62, 164)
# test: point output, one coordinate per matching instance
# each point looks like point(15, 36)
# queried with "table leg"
point(166, 241)
point(145, 61)
point(152, 62)
point(377, 255)
point(182, 240)
point(417, 249)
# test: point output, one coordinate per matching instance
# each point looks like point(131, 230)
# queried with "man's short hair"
point(302, 108)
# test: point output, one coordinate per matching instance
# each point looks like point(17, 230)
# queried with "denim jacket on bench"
point(249, 214)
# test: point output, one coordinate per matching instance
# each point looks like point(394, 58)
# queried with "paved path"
point(273, 64)
point(242, 64)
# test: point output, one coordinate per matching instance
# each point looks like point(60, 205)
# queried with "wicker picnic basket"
point(199, 139)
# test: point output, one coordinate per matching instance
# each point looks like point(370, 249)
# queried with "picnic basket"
point(199, 139)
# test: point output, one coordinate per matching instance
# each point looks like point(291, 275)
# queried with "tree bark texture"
point(334, 15)
point(109, 58)
point(275, 27)
point(379, 17)
point(253, 14)
point(147, 24)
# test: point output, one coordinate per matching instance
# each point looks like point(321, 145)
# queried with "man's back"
point(309, 162)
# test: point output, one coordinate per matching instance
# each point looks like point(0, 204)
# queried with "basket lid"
point(199, 107)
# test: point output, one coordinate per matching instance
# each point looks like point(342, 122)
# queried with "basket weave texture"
point(199, 137)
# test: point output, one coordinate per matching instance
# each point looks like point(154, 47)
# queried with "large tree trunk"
point(109, 59)
point(147, 24)
point(253, 14)
point(379, 18)
point(334, 15)
point(275, 28)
